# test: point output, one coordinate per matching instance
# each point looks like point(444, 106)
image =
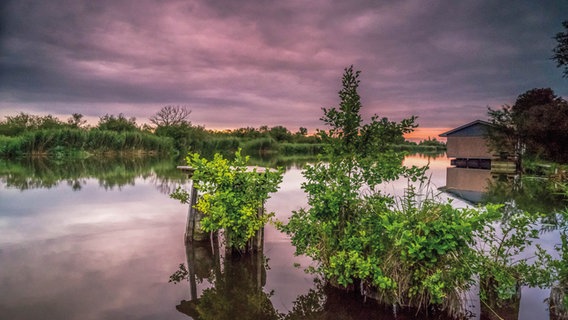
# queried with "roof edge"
point(445, 134)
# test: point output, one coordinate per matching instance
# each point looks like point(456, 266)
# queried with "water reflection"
point(232, 286)
point(236, 288)
point(107, 251)
point(530, 193)
point(110, 172)
point(468, 184)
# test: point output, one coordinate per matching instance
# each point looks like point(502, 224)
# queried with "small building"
point(473, 164)
point(467, 145)
point(468, 148)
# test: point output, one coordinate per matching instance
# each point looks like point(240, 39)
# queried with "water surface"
point(99, 239)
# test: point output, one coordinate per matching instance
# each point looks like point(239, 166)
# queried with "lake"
point(99, 239)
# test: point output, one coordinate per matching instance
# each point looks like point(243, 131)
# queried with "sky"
point(258, 62)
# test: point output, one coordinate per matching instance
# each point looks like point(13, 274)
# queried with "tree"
point(357, 156)
point(76, 120)
point(503, 135)
point(280, 133)
point(536, 124)
point(546, 130)
point(18, 124)
point(411, 251)
point(171, 116)
point(561, 49)
point(23, 122)
point(533, 98)
point(119, 123)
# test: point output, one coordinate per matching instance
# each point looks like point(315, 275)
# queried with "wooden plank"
point(249, 169)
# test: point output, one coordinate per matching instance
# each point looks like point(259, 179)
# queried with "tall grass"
point(260, 146)
point(65, 141)
point(54, 141)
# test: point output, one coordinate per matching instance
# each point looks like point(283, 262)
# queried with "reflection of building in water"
point(473, 164)
point(468, 184)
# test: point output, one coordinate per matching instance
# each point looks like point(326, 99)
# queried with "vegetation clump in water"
point(414, 251)
point(232, 196)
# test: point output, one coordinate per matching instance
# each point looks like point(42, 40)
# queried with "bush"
point(231, 196)
point(260, 146)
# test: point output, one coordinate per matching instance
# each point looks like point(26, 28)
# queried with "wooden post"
point(194, 216)
point(193, 231)
point(258, 241)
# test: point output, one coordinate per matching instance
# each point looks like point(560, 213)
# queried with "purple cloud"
point(250, 63)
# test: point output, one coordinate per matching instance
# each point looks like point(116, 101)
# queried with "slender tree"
point(561, 49)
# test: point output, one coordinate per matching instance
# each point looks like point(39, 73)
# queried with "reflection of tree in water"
point(111, 172)
point(237, 284)
point(532, 194)
point(235, 291)
point(325, 302)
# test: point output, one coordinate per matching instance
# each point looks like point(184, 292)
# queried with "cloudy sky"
point(256, 62)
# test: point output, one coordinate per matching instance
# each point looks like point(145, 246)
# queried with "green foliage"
point(260, 145)
point(117, 123)
point(225, 146)
point(170, 123)
point(66, 141)
point(536, 124)
point(231, 196)
point(185, 136)
point(413, 254)
point(432, 142)
point(502, 249)
point(560, 266)
point(300, 148)
point(280, 134)
point(561, 49)
point(23, 122)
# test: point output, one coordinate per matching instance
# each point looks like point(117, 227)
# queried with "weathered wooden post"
point(193, 231)
point(258, 240)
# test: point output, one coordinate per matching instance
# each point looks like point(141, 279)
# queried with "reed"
point(57, 141)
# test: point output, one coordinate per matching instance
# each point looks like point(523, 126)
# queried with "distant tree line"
point(26, 134)
point(169, 131)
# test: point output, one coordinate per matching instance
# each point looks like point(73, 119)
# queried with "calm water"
point(100, 240)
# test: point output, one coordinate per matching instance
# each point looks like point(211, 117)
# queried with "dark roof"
point(465, 126)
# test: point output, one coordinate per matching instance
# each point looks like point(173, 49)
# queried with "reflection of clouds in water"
point(289, 196)
point(68, 262)
point(57, 212)
point(108, 253)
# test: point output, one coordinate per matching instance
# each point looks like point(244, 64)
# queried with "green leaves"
point(409, 254)
point(503, 264)
point(231, 195)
